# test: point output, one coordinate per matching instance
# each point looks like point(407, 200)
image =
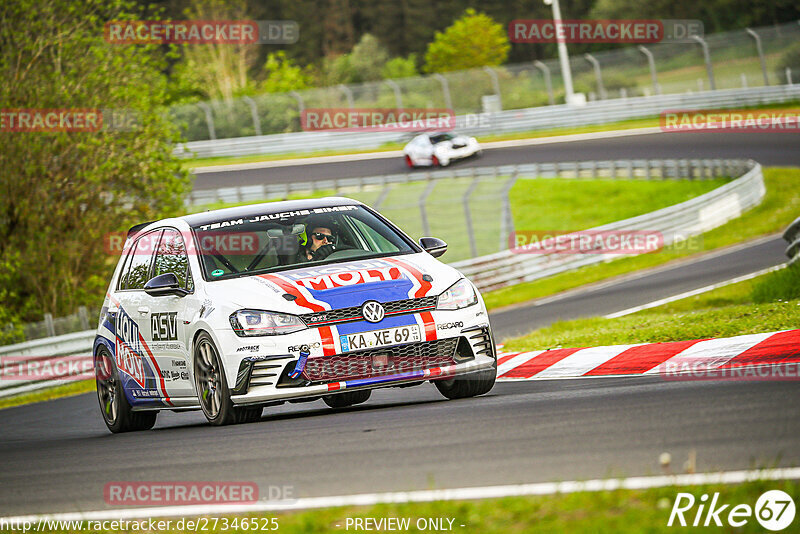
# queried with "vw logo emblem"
point(372, 311)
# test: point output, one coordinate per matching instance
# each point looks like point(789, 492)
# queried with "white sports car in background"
point(439, 149)
point(233, 310)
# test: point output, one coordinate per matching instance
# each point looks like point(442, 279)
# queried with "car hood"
point(337, 285)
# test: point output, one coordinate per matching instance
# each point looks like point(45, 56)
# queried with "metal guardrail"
point(45, 363)
point(686, 219)
point(520, 120)
point(792, 236)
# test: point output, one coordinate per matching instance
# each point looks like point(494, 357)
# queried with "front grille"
point(402, 358)
point(353, 313)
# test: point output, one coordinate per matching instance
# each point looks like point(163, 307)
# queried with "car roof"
point(266, 208)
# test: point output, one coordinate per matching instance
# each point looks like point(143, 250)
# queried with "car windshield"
point(272, 241)
point(438, 138)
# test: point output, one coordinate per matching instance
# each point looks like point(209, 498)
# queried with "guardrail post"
point(49, 325)
point(300, 104)
point(212, 134)
point(398, 98)
point(651, 62)
point(445, 90)
point(629, 164)
point(507, 220)
point(647, 174)
point(382, 195)
point(473, 247)
point(547, 80)
point(423, 198)
point(760, 51)
point(495, 83)
point(254, 114)
point(707, 59)
point(348, 93)
point(598, 74)
point(83, 317)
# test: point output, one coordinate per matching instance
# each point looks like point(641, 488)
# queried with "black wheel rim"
point(107, 387)
point(209, 385)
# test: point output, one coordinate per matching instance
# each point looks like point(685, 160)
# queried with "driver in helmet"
point(320, 242)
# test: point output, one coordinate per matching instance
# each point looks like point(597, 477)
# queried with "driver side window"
point(171, 258)
point(137, 269)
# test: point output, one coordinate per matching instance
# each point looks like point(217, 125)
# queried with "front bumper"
point(268, 378)
point(261, 395)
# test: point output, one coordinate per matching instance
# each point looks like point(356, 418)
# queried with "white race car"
point(233, 310)
point(439, 149)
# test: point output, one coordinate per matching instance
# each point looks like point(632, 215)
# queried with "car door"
point(135, 365)
point(167, 317)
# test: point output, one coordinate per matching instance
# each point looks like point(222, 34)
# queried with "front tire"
point(212, 388)
point(343, 400)
point(116, 411)
point(471, 385)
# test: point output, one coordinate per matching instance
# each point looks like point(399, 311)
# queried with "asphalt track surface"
point(769, 149)
point(57, 456)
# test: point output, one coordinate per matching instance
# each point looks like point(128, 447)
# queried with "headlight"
point(460, 295)
point(247, 323)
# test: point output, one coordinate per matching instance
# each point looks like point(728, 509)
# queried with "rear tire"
point(114, 407)
point(212, 388)
point(343, 400)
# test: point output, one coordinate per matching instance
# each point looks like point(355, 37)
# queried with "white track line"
point(693, 292)
point(368, 499)
point(398, 153)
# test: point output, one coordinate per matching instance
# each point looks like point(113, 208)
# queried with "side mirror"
point(433, 246)
point(164, 284)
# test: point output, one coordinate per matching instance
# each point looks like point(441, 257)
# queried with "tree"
point(282, 75)
point(62, 193)
point(218, 71)
point(400, 67)
point(363, 64)
point(474, 40)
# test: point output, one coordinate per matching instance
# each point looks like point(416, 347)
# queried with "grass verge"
point(68, 390)
point(727, 311)
point(779, 208)
point(636, 511)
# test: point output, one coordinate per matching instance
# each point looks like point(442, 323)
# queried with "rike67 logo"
point(128, 348)
point(774, 510)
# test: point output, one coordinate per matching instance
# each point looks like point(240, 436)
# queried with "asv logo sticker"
point(128, 352)
point(774, 510)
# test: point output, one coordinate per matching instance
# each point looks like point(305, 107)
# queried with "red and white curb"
point(653, 358)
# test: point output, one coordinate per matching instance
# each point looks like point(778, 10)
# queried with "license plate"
point(380, 338)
